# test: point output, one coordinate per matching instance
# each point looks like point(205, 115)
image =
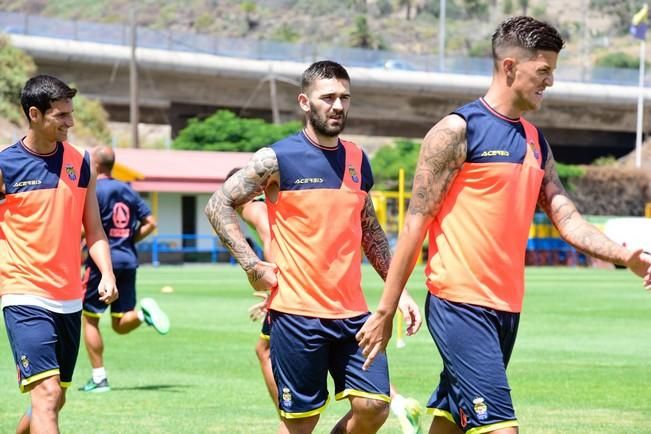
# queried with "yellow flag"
point(642, 16)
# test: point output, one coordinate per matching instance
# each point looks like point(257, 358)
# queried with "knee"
point(374, 411)
point(262, 350)
point(117, 327)
point(48, 395)
point(62, 400)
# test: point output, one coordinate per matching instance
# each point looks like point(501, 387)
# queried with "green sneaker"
point(414, 412)
point(154, 316)
point(409, 413)
point(91, 386)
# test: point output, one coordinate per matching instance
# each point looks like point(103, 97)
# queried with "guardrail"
point(119, 34)
point(171, 248)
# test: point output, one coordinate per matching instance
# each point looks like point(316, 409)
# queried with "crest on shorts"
point(287, 397)
point(480, 407)
point(353, 173)
point(26, 366)
point(70, 171)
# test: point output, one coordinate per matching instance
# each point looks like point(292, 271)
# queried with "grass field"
point(582, 363)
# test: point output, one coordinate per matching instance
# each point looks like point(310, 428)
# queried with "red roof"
point(180, 171)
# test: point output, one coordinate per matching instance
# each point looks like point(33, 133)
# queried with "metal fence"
point(118, 34)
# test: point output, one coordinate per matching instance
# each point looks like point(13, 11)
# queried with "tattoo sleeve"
point(441, 156)
point(236, 191)
point(556, 203)
point(374, 240)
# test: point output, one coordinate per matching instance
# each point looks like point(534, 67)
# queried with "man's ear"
point(508, 64)
point(34, 114)
point(304, 102)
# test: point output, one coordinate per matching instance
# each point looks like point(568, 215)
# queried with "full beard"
point(321, 125)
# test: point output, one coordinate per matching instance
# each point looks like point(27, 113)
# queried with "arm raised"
point(239, 189)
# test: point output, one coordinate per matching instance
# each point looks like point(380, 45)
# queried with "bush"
point(16, 67)
point(608, 190)
point(618, 59)
point(388, 161)
point(224, 131)
point(91, 121)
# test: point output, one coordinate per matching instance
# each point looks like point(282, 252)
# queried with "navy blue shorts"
point(265, 333)
point(125, 280)
point(44, 343)
point(303, 351)
point(475, 344)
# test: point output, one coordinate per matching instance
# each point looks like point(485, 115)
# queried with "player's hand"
point(639, 262)
point(258, 311)
point(374, 336)
point(262, 276)
point(410, 313)
point(107, 290)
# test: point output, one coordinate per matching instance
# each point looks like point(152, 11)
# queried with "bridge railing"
point(118, 34)
point(179, 248)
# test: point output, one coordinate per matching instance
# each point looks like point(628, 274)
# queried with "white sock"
point(141, 316)
point(99, 374)
point(398, 404)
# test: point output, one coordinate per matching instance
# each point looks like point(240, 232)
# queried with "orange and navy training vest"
point(316, 229)
point(478, 239)
point(40, 221)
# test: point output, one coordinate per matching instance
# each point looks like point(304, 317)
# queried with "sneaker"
point(91, 386)
point(154, 316)
point(409, 413)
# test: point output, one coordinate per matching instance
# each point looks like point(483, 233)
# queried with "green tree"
point(507, 7)
point(476, 8)
point(91, 121)
point(224, 131)
point(16, 67)
point(388, 161)
point(361, 36)
point(618, 59)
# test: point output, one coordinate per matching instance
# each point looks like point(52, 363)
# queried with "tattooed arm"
point(441, 156)
point(574, 229)
point(239, 189)
point(374, 240)
point(376, 248)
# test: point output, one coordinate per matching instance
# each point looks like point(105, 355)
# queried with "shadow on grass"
point(154, 387)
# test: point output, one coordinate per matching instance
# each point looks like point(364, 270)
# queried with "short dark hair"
point(528, 33)
point(323, 69)
point(41, 90)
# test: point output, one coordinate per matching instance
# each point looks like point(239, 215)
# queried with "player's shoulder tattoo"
point(442, 155)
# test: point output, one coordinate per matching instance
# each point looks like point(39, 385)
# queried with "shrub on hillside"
point(609, 190)
point(224, 131)
point(16, 67)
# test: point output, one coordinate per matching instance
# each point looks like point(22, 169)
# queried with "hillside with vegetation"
point(594, 29)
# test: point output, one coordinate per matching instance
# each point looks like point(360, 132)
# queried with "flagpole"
point(640, 107)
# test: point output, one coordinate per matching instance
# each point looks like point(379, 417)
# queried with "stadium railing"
point(118, 34)
point(180, 248)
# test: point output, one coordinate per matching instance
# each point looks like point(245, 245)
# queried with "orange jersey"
point(40, 221)
point(316, 228)
point(479, 237)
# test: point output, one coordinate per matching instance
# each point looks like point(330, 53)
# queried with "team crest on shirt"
point(353, 173)
point(287, 397)
point(70, 171)
point(532, 145)
point(480, 407)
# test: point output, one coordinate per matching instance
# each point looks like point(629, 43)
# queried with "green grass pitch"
point(582, 362)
